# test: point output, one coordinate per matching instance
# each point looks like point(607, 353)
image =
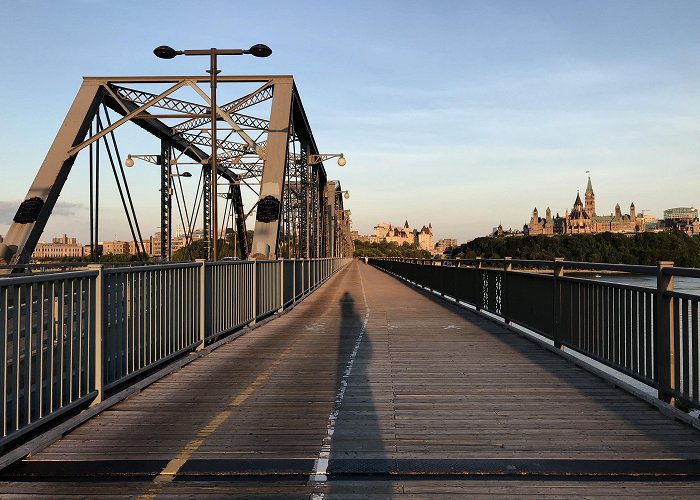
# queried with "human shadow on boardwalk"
point(356, 441)
point(540, 404)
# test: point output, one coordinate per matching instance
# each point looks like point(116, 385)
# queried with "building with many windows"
point(682, 219)
point(60, 247)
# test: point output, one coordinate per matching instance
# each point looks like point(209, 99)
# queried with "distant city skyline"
point(464, 114)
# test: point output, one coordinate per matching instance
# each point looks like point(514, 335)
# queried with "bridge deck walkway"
point(402, 391)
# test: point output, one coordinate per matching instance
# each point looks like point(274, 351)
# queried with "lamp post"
point(258, 50)
point(313, 159)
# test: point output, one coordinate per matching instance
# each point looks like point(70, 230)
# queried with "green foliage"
point(386, 249)
point(110, 257)
point(612, 248)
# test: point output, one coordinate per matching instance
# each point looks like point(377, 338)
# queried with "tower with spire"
point(590, 199)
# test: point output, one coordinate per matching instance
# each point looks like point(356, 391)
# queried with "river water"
point(680, 283)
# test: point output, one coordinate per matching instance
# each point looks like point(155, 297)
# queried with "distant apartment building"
point(116, 247)
point(176, 243)
point(445, 244)
point(60, 247)
point(682, 219)
point(144, 246)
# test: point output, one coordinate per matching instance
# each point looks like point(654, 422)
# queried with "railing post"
point(507, 268)
point(254, 299)
point(665, 347)
point(477, 266)
point(98, 361)
point(294, 281)
point(281, 308)
point(202, 304)
point(558, 272)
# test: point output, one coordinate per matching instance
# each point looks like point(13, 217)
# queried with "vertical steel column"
point(304, 205)
point(265, 239)
point(330, 218)
point(237, 201)
point(165, 200)
point(213, 200)
point(315, 215)
point(206, 205)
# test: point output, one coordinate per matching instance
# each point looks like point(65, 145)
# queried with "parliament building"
point(583, 219)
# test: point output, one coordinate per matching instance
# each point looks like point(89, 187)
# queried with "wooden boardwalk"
point(372, 388)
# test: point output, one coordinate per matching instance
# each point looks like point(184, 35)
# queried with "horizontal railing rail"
point(649, 333)
point(69, 337)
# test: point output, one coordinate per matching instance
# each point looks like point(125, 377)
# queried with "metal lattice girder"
point(141, 97)
point(262, 94)
point(205, 140)
point(250, 121)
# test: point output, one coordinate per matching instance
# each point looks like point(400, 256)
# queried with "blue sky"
point(460, 113)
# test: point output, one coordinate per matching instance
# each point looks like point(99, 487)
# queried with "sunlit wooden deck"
point(372, 388)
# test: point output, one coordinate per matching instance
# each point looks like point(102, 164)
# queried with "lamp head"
point(185, 174)
point(165, 52)
point(346, 195)
point(129, 162)
point(260, 50)
point(341, 161)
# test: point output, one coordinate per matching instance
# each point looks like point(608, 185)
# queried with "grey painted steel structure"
point(266, 158)
point(68, 338)
point(649, 334)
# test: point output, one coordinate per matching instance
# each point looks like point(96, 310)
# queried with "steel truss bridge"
point(264, 150)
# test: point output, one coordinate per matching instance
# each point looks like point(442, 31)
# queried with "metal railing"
point(70, 337)
point(649, 334)
point(48, 346)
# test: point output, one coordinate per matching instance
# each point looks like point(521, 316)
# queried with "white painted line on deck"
point(321, 463)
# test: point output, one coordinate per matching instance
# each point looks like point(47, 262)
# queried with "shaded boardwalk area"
point(372, 388)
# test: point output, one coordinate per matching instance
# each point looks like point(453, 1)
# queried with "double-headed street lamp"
point(258, 50)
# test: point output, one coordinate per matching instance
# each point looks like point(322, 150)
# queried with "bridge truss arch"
point(264, 146)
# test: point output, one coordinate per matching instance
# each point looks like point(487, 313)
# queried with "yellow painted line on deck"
point(171, 469)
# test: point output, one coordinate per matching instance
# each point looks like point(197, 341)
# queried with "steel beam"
point(267, 221)
point(165, 200)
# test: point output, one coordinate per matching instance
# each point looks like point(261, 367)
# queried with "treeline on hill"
point(108, 257)
point(386, 249)
point(642, 248)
